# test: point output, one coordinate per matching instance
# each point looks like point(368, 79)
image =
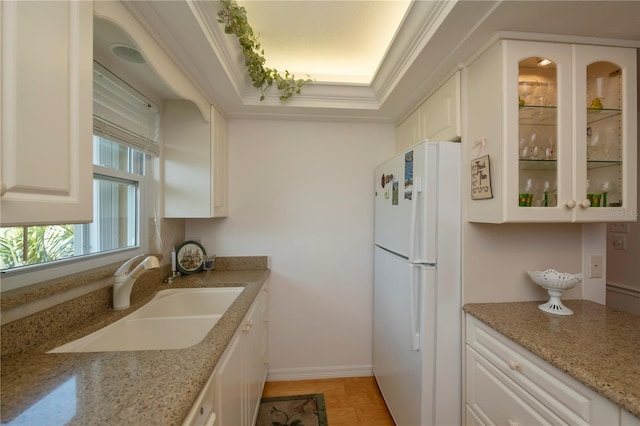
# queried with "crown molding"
point(422, 20)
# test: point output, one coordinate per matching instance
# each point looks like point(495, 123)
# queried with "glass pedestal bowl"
point(555, 283)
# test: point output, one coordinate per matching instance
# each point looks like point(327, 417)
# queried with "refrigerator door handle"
point(417, 189)
point(415, 306)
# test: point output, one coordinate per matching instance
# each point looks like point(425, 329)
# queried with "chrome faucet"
point(123, 280)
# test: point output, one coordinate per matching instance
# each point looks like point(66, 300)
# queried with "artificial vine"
point(235, 21)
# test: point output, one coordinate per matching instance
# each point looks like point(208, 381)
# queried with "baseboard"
point(310, 373)
point(623, 297)
point(623, 289)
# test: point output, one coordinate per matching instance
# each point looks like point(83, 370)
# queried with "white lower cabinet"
point(202, 413)
point(508, 385)
point(628, 419)
point(232, 394)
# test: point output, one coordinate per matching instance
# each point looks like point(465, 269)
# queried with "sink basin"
point(189, 302)
point(173, 319)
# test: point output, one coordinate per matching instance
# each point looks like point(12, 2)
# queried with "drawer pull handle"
point(514, 365)
point(211, 420)
point(512, 422)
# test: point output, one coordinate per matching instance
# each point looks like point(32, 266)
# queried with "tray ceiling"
point(362, 70)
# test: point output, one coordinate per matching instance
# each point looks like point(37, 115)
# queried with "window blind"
point(122, 114)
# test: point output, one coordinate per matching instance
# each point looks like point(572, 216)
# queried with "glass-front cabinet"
point(557, 125)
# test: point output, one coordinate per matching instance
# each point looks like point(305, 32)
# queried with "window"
point(117, 184)
point(124, 151)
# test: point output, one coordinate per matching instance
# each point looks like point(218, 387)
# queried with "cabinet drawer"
point(496, 399)
point(565, 396)
point(472, 418)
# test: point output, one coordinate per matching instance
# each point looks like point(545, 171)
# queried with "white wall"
point(302, 194)
point(623, 268)
point(496, 258)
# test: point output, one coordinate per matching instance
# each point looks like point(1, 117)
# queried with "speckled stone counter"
point(117, 388)
point(597, 345)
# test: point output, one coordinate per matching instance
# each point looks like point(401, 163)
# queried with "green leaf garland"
point(235, 22)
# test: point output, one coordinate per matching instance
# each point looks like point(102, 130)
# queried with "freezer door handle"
point(415, 191)
point(414, 298)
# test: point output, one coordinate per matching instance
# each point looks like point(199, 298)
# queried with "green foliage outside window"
point(28, 245)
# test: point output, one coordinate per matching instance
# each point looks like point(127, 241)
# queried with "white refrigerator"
point(417, 292)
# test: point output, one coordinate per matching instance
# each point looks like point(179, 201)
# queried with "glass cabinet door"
point(537, 133)
point(538, 145)
point(606, 139)
point(603, 135)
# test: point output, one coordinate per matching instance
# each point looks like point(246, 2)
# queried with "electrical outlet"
point(595, 267)
point(620, 241)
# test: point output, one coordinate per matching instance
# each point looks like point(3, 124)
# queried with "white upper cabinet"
point(46, 119)
point(440, 113)
point(437, 119)
point(195, 162)
point(561, 138)
point(408, 132)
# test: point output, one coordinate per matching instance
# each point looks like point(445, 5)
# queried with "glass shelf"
point(533, 164)
point(546, 115)
point(598, 114)
point(538, 115)
point(599, 164)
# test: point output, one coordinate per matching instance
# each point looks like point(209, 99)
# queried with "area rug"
point(294, 410)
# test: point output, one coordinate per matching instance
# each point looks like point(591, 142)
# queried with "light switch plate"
point(619, 227)
point(595, 267)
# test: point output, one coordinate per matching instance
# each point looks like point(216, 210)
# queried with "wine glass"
point(550, 150)
point(607, 187)
point(602, 85)
point(525, 90)
point(534, 150)
point(524, 148)
point(593, 144)
point(542, 91)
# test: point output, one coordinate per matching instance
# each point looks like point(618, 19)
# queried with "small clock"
point(190, 257)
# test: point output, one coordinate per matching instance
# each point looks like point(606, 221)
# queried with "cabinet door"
point(229, 386)
point(187, 160)
point(538, 136)
point(255, 348)
point(439, 115)
point(219, 161)
point(195, 161)
point(605, 104)
point(47, 54)
point(408, 132)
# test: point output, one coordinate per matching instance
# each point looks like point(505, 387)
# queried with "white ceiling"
point(330, 39)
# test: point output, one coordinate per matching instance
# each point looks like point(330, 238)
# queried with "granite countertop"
point(134, 387)
point(597, 345)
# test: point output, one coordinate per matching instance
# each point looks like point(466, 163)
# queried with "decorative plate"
point(190, 257)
